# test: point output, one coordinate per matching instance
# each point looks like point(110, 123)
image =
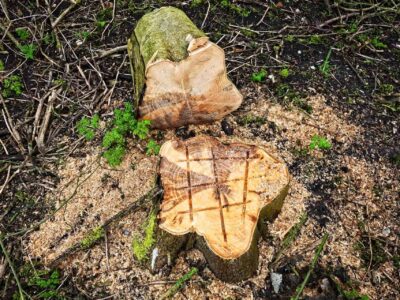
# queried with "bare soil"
point(350, 191)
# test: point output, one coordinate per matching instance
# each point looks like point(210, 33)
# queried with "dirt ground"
point(332, 70)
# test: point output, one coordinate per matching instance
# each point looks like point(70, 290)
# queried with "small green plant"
point(259, 76)
point(152, 148)
point(386, 89)
point(180, 283)
point(196, 3)
point(28, 51)
point(244, 12)
point(49, 39)
point(92, 237)
point(87, 126)
point(354, 295)
point(12, 86)
point(83, 35)
point(289, 38)
point(103, 17)
point(142, 246)
point(124, 123)
point(284, 73)
point(1, 65)
point(320, 142)
point(22, 33)
point(325, 68)
point(47, 282)
point(250, 119)
point(315, 39)
point(378, 43)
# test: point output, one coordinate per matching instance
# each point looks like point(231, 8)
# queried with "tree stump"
point(217, 198)
point(180, 72)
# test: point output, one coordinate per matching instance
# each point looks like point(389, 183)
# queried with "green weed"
point(92, 237)
point(284, 73)
point(152, 148)
point(378, 43)
point(124, 124)
point(28, 51)
point(250, 119)
point(49, 39)
point(259, 76)
point(1, 65)
point(83, 35)
point(289, 38)
point(47, 282)
point(244, 12)
point(325, 68)
point(22, 33)
point(180, 283)
point(196, 3)
point(366, 247)
point(386, 89)
point(12, 86)
point(86, 127)
point(320, 142)
point(103, 17)
point(318, 251)
point(315, 39)
point(142, 246)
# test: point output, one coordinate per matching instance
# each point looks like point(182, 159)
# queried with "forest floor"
point(321, 87)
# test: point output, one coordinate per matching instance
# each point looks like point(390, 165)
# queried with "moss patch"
point(141, 246)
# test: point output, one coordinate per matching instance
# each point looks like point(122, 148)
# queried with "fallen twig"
point(5, 253)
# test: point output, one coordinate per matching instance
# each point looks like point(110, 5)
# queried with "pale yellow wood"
point(194, 90)
point(218, 191)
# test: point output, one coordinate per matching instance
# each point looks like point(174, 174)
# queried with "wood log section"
point(218, 199)
point(180, 73)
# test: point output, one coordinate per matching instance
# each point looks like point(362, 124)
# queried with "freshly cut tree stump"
point(182, 74)
point(223, 194)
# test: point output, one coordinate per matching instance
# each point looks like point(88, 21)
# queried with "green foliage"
point(386, 89)
point(180, 283)
point(250, 119)
point(92, 237)
point(259, 76)
point(354, 295)
point(86, 126)
point(114, 155)
point(83, 35)
point(124, 123)
point(28, 50)
point(315, 39)
point(244, 12)
point(289, 38)
point(49, 39)
point(378, 43)
point(284, 73)
point(325, 68)
point(320, 142)
point(318, 251)
point(142, 246)
point(152, 148)
point(47, 282)
point(22, 33)
point(196, 3)
point(103, 17)
point(12, 86)
point(1, 65)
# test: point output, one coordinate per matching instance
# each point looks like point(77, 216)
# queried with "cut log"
point(180, 72)
point(223, 194)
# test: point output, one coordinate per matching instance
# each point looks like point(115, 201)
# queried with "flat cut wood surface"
point(217, 191)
